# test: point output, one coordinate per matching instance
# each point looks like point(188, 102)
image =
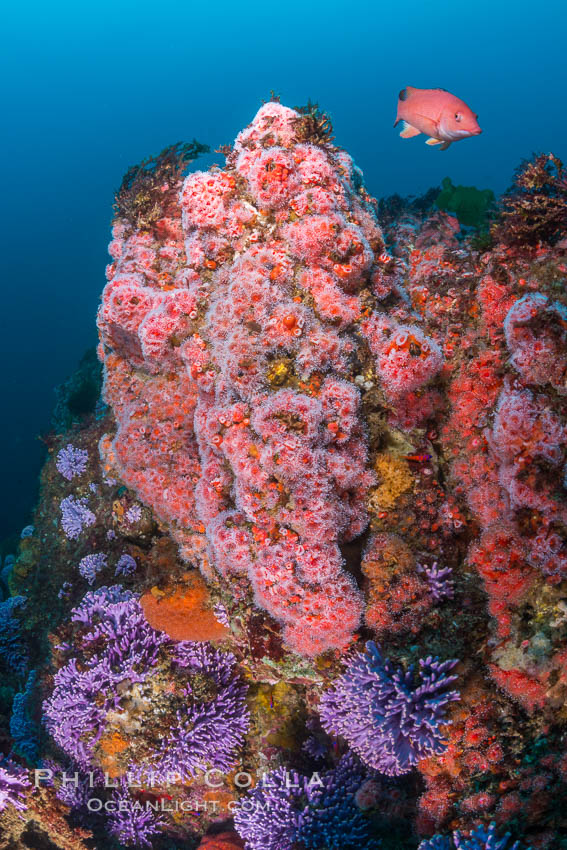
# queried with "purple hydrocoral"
point(131, 822)
point(75, 515)
point(13, 784)
point(72, 713)
point(315, 748)
point(438, 579)
point(210, 727)
point(91, 565)
point(480, 838)
point(126, 565)
point(117, 622)
point(288, 809)
point(71, 461)
point(94, 604)
point(116, 648)
point(221, 614)
point(268, 817)
point(75, 795)
point(119, 645)
point(133, 514)
point(387, 717)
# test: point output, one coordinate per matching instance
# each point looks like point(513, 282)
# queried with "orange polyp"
point(290, 321)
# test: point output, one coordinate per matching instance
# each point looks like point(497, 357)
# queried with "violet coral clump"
point(388, 717)
point(438, 579)
point(126, 565)
point(288, 809)
point(75, 516)
point(133, 514)
point(13, 784)
point(206, 733)
point(71, 462)
point(268, 817)
point(115, 654)
point(84, 692)
point(91, 565)
point(133, 823)
point(480, 838)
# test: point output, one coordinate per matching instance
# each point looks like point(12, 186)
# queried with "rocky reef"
point(298, 580)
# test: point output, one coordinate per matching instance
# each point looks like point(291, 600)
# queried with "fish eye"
point(458, 116)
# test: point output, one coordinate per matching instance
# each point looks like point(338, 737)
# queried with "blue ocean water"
point(92, 88)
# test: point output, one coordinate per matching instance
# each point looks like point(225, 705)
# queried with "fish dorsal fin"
point(405, 93)
point(408, 131)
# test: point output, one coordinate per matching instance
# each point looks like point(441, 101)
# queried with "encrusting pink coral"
point(229, 351)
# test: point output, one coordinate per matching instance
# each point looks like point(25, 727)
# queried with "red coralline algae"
point(229, 349)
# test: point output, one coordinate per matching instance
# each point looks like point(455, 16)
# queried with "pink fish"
point(437, 113)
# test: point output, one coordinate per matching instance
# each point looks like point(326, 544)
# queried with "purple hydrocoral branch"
point(76, 796)
point(388, 716)
point(76, 711)
point(268, 817)
point(71, 461)
point(438, 579)
point(288, 809)
point(91, 565)
point(12, 648)
point(75, 515)
point(126, 565)
point(315, 748)
point(94, 604)
point(207, 732)
point(221, 614)
point(13, 784)
point(117, 621)
point(131, 822)
point(133, 514)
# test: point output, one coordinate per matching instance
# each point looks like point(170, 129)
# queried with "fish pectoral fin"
point(409, 132)
point(397, 121)
point(433, 142)
point(444, 146)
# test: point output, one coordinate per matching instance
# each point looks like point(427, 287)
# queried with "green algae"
point(471, 206)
